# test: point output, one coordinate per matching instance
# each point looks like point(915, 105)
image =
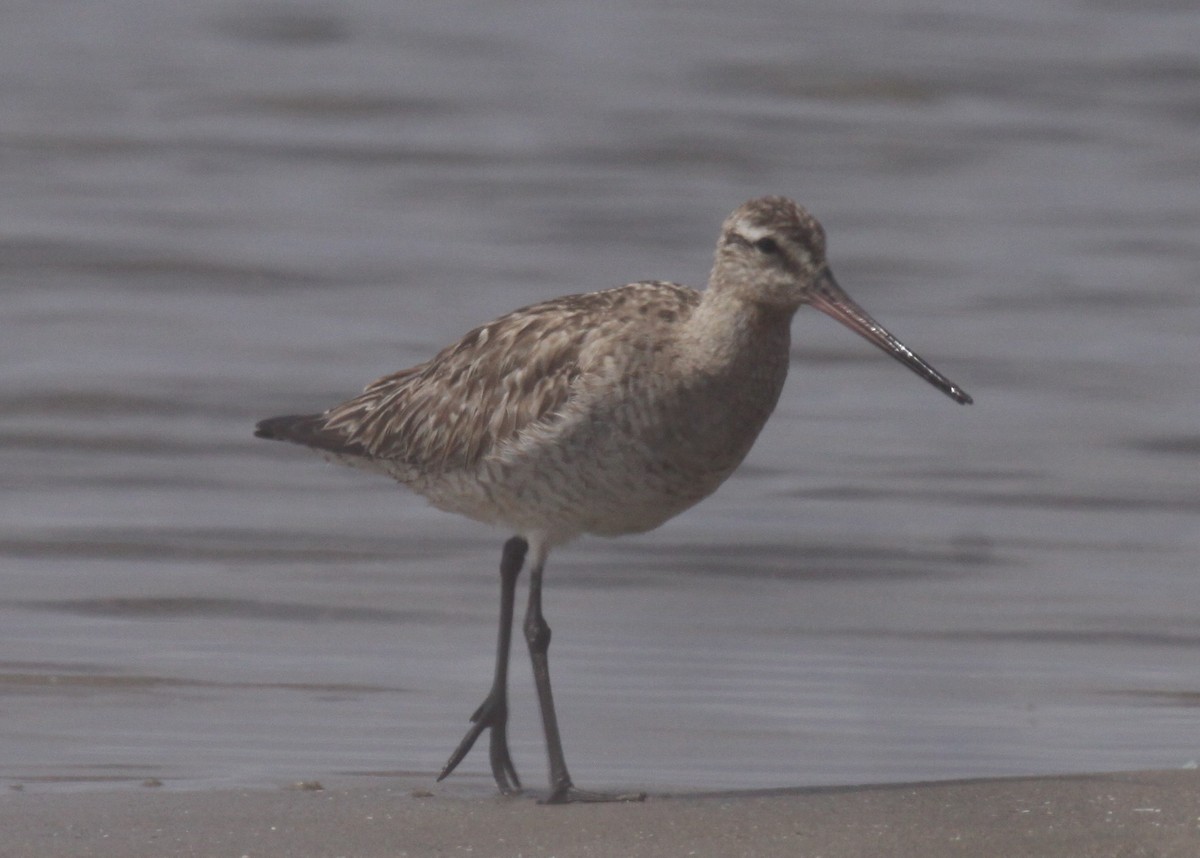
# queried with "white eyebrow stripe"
point(749, 231)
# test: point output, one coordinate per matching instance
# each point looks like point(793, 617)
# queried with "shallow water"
point(217, 212)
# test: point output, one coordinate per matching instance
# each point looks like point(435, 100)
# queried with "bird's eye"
point(767, 245)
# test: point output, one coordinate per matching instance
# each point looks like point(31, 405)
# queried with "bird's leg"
point(537, 635)
point(493, 712)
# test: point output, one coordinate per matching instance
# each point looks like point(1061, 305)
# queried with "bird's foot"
point(568, 793)
point(492, 715)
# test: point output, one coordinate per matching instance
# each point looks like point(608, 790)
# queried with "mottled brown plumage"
point(496, 382)
point(603, 413)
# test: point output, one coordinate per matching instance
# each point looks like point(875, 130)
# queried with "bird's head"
point(772, 253)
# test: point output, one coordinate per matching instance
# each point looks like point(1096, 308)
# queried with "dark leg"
point(537, 635)
point(493, 713)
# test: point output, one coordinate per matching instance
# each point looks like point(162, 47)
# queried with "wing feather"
point(499, 381)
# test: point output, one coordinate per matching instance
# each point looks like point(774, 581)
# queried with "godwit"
point(604, 413)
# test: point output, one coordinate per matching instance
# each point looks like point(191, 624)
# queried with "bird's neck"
point(745, 338)
point(734, 361)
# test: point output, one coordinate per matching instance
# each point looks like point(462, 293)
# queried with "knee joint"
point(537, 634)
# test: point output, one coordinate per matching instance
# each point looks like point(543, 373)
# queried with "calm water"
point(219, 211)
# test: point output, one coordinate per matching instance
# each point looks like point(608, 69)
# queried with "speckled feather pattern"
point(607, 412)
point(501, 380)
point(579, 414)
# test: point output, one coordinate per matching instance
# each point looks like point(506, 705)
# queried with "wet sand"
point(1083, 816)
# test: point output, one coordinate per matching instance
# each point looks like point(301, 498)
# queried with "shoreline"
point(1152, 813)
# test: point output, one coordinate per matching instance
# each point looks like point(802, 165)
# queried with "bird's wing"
point(497, 382)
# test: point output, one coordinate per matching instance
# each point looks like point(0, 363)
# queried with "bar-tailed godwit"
point(605, 413)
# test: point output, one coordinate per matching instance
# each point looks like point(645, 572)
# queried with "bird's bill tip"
point(828, 297)
point(959, 395)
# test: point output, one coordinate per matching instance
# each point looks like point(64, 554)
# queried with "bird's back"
point(503, 381)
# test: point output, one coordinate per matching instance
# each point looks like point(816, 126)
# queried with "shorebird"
point(605, 413)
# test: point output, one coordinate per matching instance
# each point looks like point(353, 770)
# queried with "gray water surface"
point(216, 211)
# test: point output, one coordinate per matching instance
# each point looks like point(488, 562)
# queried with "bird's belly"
point(606, 477)
point(562, 500)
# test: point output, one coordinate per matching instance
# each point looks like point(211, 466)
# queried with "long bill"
point(830, 299)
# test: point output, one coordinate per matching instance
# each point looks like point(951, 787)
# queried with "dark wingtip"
point(268, 428)
point(289, 427)
point(308, 430)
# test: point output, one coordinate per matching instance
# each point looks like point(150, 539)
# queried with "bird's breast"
point(636, 446)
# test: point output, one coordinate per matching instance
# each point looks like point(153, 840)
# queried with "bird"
point(603, 413)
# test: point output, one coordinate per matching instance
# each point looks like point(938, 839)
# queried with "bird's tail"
point(297, 428)
point(309, 430)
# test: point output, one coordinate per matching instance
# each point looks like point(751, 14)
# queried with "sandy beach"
point(1083, 816)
